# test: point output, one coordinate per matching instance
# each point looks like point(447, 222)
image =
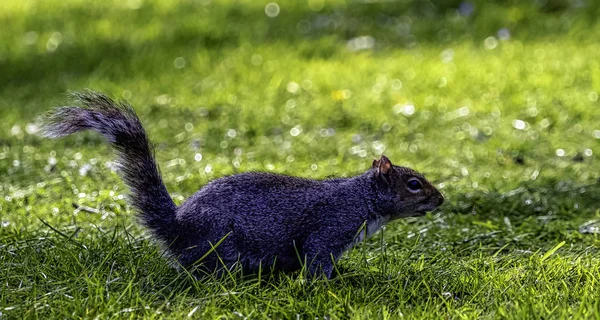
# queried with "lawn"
point(496, 102)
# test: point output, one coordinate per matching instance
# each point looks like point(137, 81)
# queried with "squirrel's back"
point(266, 219)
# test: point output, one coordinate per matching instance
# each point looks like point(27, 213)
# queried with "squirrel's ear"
point(383, 165)
point(375, 163)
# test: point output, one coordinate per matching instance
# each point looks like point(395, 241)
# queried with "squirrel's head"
point(403, 191)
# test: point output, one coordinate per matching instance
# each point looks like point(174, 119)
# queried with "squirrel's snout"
point(440, 200)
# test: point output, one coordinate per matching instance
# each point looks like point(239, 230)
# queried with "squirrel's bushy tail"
point(119, 124)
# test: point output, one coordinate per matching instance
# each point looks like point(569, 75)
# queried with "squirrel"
point(258, 220)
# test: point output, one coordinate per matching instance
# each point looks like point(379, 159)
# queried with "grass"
point(509, 130)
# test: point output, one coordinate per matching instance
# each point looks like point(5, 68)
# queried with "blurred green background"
point(495, 101)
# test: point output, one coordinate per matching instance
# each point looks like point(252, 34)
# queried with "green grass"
point(508, 129)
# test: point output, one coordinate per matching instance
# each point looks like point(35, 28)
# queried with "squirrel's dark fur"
point(260, 220)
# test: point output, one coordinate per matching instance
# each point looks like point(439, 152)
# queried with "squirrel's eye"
point(414, 185)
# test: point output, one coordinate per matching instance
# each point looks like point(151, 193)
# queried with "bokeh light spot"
point(272, 9)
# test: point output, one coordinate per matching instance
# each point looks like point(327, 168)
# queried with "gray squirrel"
point(257, 220)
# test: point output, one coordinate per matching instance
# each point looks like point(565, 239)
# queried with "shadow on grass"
point(313, 34)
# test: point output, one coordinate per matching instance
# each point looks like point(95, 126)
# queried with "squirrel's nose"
point(440, 200)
